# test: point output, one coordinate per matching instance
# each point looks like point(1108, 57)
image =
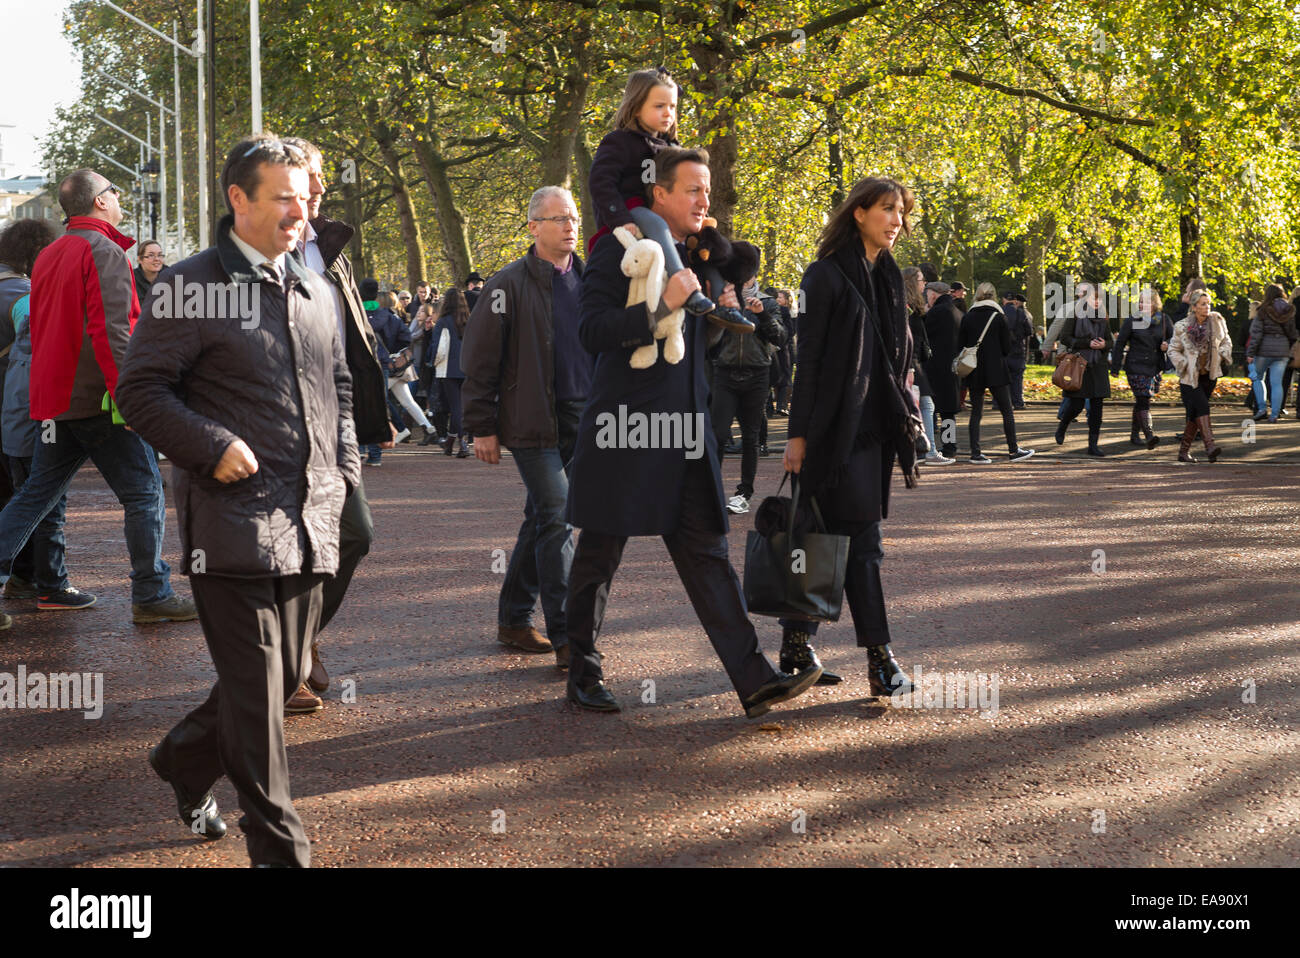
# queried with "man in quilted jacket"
point(247, 391)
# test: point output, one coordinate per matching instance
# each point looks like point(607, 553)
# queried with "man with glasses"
point(256, 413)
point(83, 308)
point(526, 381)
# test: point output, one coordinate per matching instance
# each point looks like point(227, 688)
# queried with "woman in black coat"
point(990, 371)
point(1087, 332)
point(1147, 342)
point(850, 413)
point(941, 321)
point(914, 288)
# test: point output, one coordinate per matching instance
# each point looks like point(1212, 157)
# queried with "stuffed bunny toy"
point(643, 263)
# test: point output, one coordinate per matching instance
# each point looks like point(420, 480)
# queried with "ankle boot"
point(1152, 440)
point(1094, 436)
point(884, 673)
point(1185, 446)
point(1061, 426)
point(462, 452)
point(450, 448)
point(798, 655)
point(1137, 425)
point(1212, 448)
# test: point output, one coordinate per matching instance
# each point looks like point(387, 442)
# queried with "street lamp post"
point(151, 171)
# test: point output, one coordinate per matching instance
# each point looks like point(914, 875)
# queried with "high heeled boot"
point(1189, 437)
point(1152, 440)
point(1212, 448)
point(885, 674)
point(798, 655)
point(1137, 426)
point(1094, 437)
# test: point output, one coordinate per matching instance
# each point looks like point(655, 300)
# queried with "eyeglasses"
point(561, 220)
point(157, 255)
point(109, 189)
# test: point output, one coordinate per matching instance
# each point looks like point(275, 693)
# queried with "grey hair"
point(541, 195)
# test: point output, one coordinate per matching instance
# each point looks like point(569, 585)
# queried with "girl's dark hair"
point(23, 241)
point(453, 304)
point(842, 229)
point(639, 85)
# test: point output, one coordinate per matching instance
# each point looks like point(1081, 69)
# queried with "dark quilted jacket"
point(191, 386)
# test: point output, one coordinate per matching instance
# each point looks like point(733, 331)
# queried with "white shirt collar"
point(254, 257)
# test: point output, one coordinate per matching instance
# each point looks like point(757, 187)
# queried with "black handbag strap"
point(794, 504)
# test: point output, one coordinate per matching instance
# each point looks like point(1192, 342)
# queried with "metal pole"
point(143, 195)
point(109, 159)
point(180, 173)
point(255, 63)
point(209, 69)
point(201, 45)
point(162, 176)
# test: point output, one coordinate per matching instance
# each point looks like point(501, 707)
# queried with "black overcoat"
point(991, 369)
point(636, 491)
point(941, 322)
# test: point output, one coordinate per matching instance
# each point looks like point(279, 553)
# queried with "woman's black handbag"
point(789, 574)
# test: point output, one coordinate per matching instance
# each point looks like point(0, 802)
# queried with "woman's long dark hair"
point(842, 229)
point(453, 304)
point(23, 241)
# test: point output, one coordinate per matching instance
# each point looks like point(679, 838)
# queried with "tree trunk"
point(451, 222)
point(565, 118)
point(411, 238)
point(357, 252)
point(834, 155)
point(582, 168)
point(1189, 234)
point(1035, 273)
point(718, 134)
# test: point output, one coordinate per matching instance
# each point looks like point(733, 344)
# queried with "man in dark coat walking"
point(646, 460)
point(321, 250)
point(254, 408)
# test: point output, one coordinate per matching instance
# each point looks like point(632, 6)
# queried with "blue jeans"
point(129, 467)
point(543, 554)
point(41, 560)
point(1273, 367)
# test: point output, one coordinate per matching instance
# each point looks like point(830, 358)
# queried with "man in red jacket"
point(83, 308)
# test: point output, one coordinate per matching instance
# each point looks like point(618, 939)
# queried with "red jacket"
point(83, 309)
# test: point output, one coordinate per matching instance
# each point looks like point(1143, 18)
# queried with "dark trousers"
point(1001, 399)
point(1075, 405)
point(258, 631)
point(740, 392)
point(1196, 399)
point(356, 532)
point(948, 432)
point(1017, 374)
point(543, 553)
point(862, 587)
point(699, 551)
point(450, 390)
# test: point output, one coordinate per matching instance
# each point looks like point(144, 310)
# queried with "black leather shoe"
point(699, 304)
point(730, 319)
point(885, 675)
point(781, 688)
point(201, 816)
point(1060, 432)
point(595, 698)
point(798, 654)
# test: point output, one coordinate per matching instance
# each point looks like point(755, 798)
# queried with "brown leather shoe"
point(562, 658)
point(524, 639)
point(303, 701)
point(318, 678)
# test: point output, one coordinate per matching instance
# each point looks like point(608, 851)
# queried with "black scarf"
point(846, 367)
